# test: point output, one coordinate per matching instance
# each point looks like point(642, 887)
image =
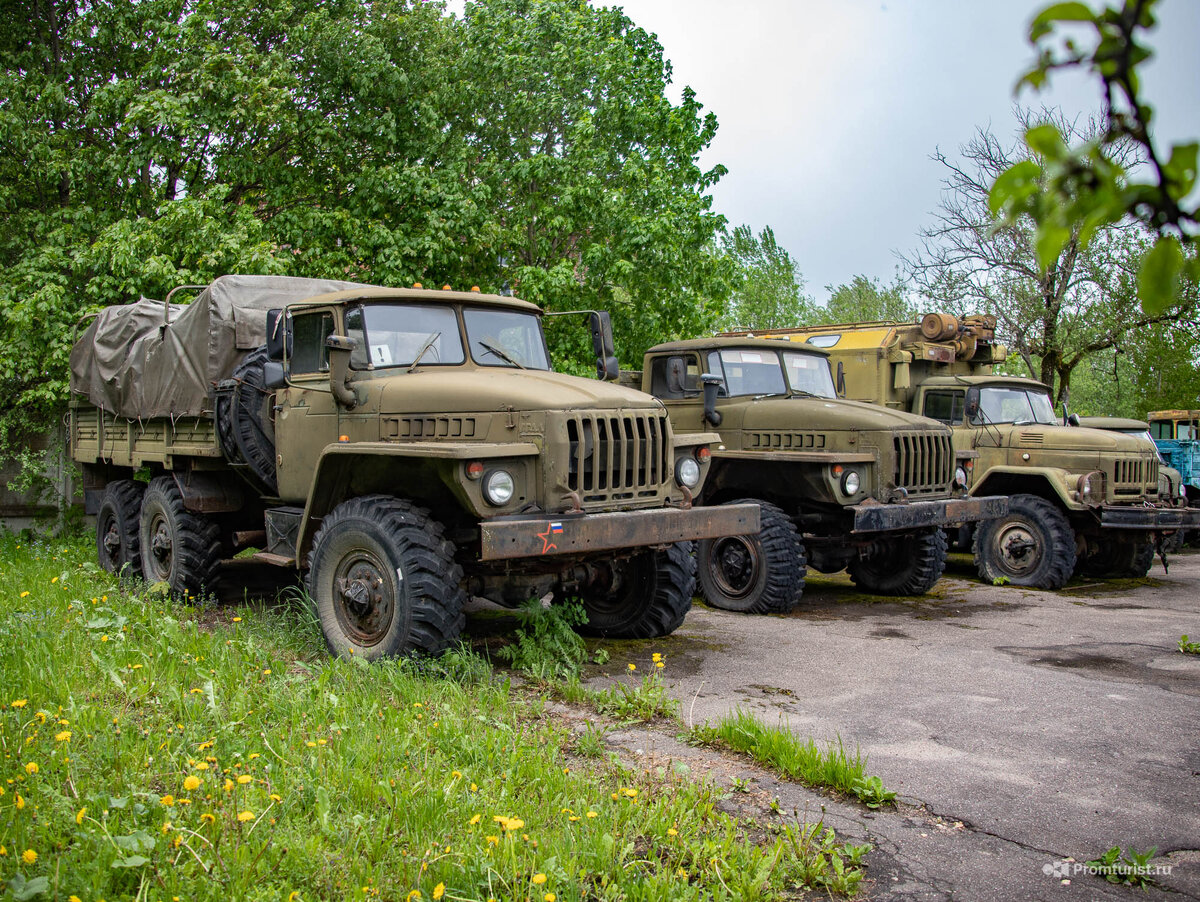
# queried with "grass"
point(797, 759)
point(154, 750)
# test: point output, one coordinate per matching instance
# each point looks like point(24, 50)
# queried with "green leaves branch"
point(1077, 191)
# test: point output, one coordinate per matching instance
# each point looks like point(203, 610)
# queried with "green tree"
point(769, 289)
point(529, 145)
point(1073, 190)
point(595, 195)
point(1053, 317)
point(864, 300)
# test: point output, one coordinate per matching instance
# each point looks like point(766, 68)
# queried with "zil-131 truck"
point(1081, 500)
point(841, 484)
point(405, 448)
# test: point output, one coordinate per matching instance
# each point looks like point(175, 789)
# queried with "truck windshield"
point(809, 374)
point(397, 334)
point(505, 338)
point(1016, 405)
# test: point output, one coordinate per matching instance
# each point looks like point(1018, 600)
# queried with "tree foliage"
point(528, 145)
point(864, 299)
point(768, 290)
point(1053, 315)
point(1074, 191)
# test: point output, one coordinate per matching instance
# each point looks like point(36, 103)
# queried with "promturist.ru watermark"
point(1066, 868)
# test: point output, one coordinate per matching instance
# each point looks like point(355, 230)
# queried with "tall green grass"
point(153, 750)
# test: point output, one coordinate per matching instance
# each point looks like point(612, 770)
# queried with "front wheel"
point(904, 565)
point(759, 574)
point(1033, 545)
point(648, 596)
point(384, 580)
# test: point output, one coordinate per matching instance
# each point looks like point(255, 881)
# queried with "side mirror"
point(340, 348)
point(840, 387)
point(276, 333)
point(1073, 419)
point(607, 367)
point(273, 376)
point(972, 404)
point(711, 384)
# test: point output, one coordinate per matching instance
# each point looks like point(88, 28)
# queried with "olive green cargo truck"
point(841, 485)
point(1080, 499)
point(406, 448)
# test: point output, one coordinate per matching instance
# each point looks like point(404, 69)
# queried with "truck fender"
point(1038, 481)
point(208, 493)
point(339, 461)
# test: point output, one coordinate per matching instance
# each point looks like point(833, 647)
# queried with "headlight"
point(498, 487)
point(1091, 485)
point(1182, 490)
point(960, 477)
point(687, 472)
point(851, 483)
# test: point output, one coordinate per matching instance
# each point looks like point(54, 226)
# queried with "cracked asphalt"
point(1019, 727)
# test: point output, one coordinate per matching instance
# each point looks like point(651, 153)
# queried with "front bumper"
point(1119, 516)
point(921, 514)
point(542, 536)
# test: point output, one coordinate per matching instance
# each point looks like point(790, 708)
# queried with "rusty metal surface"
point(529, 537)
point(919, 514)
point(1132, 517)
point(209, 492)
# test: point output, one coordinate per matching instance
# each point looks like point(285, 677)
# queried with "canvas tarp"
point(127, 363)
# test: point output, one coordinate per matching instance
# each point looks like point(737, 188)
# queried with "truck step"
point(277, 560)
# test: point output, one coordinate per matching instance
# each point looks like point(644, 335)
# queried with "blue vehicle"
point(1177, 435)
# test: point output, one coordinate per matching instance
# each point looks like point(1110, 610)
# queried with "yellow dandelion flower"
point(245, 816)
point(549, 897)
point(228, 785)
point(573, 817)
point(592, 814)
point(3, 851)
point(322, 741)
point(191, 783)
point(254, 755)
point(276, 798)
point(538, 879)
point(25, 594)
point(474, 788)
point(167, 800)
point(671, 831)
point(64, 736)
point(207, 818)
point(475, 819)
point(659, 664)
point(196, 691)
point(632, 667)
point(53, 581)
point(493, 840)
point(19, 702)
point(632, 793)
point(439, 891)
point(74, 899)
point(104, 638)
point(237, 619)
point(41, 716)
point(29, 856)
point(243, 779)
point(31, 767)
point(20, 802)
point(201, 765)
point(80, 815)
point(414, 894)
point(656, 657)
point(294, 895)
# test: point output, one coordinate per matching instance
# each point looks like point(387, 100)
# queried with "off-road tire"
point(251, 425)
point(760, 574)
point(904, 565)
point(118, 543)
point(178, 547)
point(1118, 556)
point(1045, 564)
point(397, 548)
point(1143, 560)
point(650, 597)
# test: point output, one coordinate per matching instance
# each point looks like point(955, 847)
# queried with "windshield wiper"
point(499, 352)
point(434, 336)
point(770, 394)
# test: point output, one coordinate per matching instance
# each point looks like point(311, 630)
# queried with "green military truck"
point(406, 448)
point(841, 485)
point(1080, 499)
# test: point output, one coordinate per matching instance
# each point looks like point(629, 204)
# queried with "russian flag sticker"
point(556, 527)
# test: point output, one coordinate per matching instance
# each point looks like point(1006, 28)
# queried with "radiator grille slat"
point(924, 462)
point(624, 454)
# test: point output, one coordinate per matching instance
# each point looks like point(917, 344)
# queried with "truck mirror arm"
point(711, 384)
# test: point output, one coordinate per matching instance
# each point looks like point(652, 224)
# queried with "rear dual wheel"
point(648, 596)
point(759, 574)
point(905, 565)
point(176, 546)
point(118, 546)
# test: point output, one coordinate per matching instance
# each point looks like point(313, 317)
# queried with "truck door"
point(307, 416)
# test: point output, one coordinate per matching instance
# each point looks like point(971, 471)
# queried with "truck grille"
point(1135, 476)
point(621, 455)
point(924, 462)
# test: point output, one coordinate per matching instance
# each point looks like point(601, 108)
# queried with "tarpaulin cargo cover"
point(129, 364)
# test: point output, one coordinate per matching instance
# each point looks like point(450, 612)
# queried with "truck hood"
point(831, 415)
point(1073, 438)
point(441, 390)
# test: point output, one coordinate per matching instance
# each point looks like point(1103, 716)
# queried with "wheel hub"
point(364, 606)
point(735, 565)
point(1018, 548)
point(112, 540)
point(161, 544)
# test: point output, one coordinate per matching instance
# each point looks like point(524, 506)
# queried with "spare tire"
point(248, 419)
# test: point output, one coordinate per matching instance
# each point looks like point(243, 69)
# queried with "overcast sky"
point(829, 110)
